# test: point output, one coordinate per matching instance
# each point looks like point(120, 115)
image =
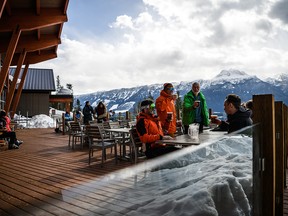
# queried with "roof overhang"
point(40, 23)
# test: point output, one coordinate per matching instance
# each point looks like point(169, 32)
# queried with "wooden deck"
point(33, 177)
point(37, 178)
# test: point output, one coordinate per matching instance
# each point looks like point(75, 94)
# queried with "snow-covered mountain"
point(215, 91)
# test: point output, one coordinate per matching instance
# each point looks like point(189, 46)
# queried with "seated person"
point(149, 130)
point(78, 116)
point(237, 116)
point(5, 131)
point(67, 117)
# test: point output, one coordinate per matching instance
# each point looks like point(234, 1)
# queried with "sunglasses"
point(151, 106)
point(170, 88)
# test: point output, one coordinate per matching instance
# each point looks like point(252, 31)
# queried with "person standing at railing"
point(237, 116)
point(149, 130)
point(101, 112)
point(87, 113)
point(195, 109)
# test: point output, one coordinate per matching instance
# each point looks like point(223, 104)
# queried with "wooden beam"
point(38, 5)
point(61, 100)
point(31, 43)
point(2, 5)
point(34, 57)
point(19, 91)
point(14, 82)
point(66, 6)
point(9, 56)
point(264, 155)
point(28, 21)
point(279, 157)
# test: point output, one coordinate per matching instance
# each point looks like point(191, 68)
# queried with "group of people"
point(100, 113)
point(152, 127)
point(7, 133)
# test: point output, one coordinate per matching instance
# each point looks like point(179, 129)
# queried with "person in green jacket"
point(195, 109)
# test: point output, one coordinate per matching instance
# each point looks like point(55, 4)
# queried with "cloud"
point(280, 11)
point(171, 41)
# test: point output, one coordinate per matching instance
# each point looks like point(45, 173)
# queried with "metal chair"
point(75, 132)
point(97, 142)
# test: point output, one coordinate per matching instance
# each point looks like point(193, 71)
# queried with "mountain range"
point(215, 91)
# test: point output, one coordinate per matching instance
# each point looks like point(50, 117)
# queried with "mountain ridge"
point(215, 90)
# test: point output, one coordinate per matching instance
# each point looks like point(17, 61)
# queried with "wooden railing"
point(269, 155)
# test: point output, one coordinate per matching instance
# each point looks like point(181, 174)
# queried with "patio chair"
point(123, 139)
point(97, 142)
point(75, 133)
point(135, 146)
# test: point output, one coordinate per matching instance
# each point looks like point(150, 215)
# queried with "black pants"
point(11, 135)
point(155, 152)
point(200, 128)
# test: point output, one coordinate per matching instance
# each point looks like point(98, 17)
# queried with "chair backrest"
point(135, 138)
point(114, 125)
point(93, 132)
point(74, 126)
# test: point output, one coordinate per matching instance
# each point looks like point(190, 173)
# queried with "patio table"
point(124, 132)
point(186, 140)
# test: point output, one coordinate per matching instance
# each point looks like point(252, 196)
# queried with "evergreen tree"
point(58, 84)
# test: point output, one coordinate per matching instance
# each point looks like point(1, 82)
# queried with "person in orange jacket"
point(165, 106)
point(149, 130)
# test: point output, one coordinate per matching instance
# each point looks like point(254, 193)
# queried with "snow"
point(40, 121)
point(210, 179)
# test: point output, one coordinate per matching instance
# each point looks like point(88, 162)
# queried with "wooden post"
point(264, 155)
point(285, 142)
point(63, 124)
point(279, 157)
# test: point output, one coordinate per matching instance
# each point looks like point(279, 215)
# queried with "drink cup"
point(169, 116)
point(213, 117)
point(197, 102)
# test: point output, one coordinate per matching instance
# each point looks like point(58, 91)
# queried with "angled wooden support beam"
point(9, 56)
point(14, 82)
point(2, 5)
point(19, 91)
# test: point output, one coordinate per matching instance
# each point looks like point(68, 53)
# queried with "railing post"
point(264, 155)
point(279, 157)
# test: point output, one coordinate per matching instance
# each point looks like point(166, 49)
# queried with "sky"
point(112, 44)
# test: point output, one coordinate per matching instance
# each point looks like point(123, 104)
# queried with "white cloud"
point(176, 41)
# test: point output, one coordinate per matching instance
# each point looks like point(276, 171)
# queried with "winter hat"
point(146, 103)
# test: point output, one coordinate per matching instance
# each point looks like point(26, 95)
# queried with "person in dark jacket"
point(87, 113)
point(237, 116)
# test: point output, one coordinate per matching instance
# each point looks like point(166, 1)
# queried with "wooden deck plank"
point(43, 177)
